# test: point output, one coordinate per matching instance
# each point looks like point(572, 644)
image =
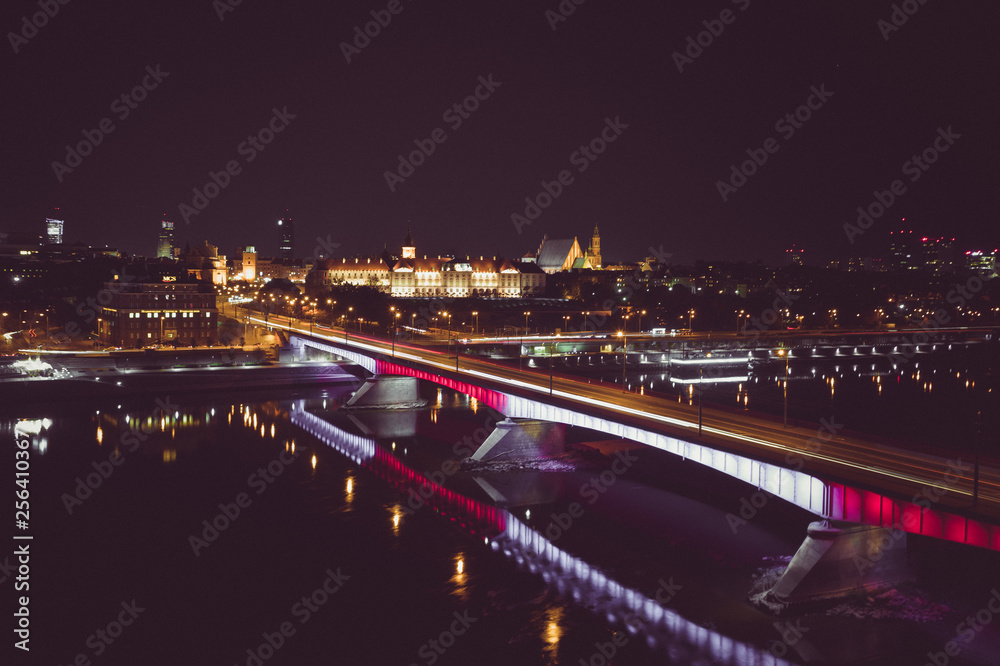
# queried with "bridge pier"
point(521, 440)
point(387, 392)
point(839, 559)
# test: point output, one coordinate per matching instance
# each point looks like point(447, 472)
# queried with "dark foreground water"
point(230, 535)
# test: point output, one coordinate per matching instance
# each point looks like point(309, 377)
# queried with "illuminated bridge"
point(846, 479)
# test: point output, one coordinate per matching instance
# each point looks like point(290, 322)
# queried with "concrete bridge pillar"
point(522, 439)
point(387, 392)
point(839, 559)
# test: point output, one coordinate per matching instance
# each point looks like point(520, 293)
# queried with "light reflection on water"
point(901, 400)
point(568, 575)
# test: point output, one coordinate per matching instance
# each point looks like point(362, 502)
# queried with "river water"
point(260, 528)
point(940, 400)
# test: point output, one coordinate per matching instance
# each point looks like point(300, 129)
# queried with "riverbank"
point(108, 382)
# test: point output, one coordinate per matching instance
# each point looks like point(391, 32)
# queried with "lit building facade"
point(938, 254)
point(248, 270)
point(54, 231)
point(141, 314)
point(203, 262)
point(453, 277)
point(982, 263)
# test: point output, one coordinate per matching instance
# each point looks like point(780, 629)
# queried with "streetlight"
point(520, 344)
point(690, 320)
point(395, 327)
point(640, 321)
point(624, 335)
point(787, 355)
point(552, 348)
point(475, 330)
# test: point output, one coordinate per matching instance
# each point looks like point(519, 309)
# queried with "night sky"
point(654, 185)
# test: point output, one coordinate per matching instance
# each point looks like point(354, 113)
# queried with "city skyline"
point(727, 132)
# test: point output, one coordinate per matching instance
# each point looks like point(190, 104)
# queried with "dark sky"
point(655, 185)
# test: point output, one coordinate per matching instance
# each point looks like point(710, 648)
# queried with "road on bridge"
point(833, 456)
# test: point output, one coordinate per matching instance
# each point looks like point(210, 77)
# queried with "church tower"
point(409, 249)
point(594, 251)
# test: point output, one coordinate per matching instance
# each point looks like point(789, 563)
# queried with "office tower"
point(54, 231)
point(287, 244)
point(165, 246)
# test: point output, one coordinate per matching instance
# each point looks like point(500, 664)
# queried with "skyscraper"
point(53, 231)
point(287, 244)
point(165, 246)
point(903, 255)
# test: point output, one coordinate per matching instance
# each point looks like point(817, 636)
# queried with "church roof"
point(553, 253)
